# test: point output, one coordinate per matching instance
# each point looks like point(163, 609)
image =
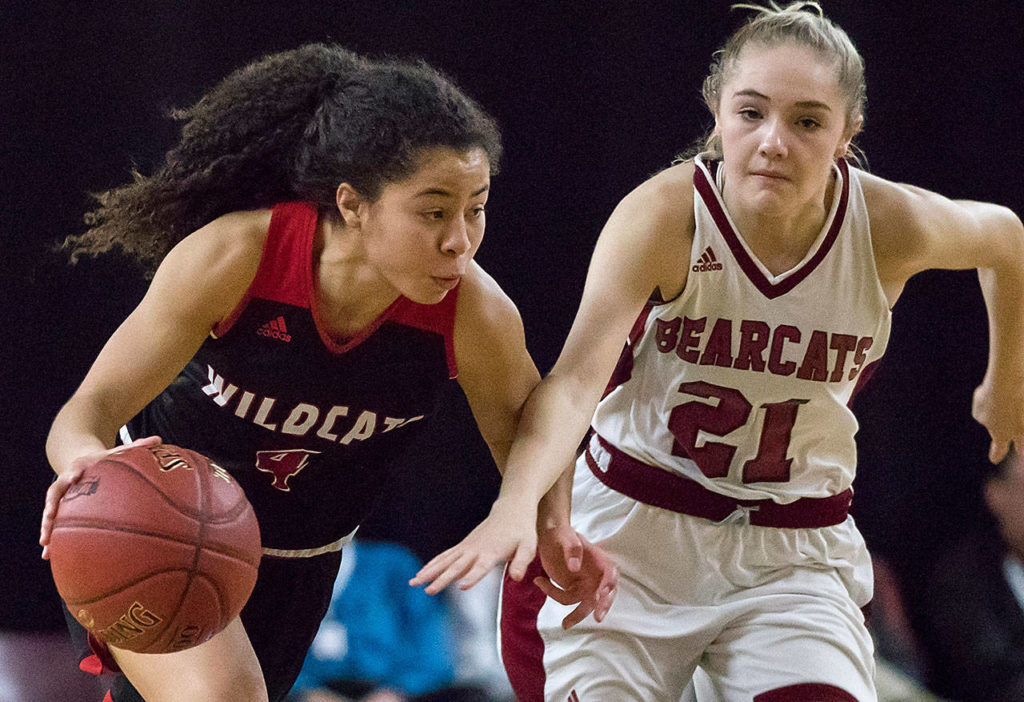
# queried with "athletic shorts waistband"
point(660, 487)
point(332, 547)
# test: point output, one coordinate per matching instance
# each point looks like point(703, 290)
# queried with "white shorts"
point(767, 614)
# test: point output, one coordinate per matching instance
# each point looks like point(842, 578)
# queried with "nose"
point(456, 240)
point(773, 140)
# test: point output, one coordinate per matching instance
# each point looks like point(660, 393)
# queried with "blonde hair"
point(803, 23)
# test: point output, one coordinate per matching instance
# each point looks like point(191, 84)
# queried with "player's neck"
point(350, 292)
point(781, 239)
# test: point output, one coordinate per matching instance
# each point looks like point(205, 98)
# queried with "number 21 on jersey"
point(732, 411)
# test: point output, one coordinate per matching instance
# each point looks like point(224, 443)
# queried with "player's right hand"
point(999, 407)
point(508, 534)
point(69, 477)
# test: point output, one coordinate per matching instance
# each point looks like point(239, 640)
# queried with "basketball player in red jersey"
point(315, 231)
point(753, 283)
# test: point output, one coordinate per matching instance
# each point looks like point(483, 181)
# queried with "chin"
point(768, 203)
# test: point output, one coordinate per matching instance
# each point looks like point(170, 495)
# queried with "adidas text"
point(275, 329)
point(703, 267)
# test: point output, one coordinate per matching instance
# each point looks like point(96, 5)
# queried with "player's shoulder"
point(482, 304)
point(888, 201)
point(655, 225)
point(224, 253)
point(899, 214)
point(235, 238)
point(657, 213)
point(240, 228)
point(667, 193)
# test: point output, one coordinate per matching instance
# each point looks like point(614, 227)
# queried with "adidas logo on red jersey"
point(708, 262)
point(275, 329)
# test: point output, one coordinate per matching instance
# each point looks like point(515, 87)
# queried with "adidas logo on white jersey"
point(708, 262)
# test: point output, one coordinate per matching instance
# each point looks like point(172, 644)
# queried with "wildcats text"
point(334, 423)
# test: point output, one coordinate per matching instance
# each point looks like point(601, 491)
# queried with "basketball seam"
point(220, 594)
point(205, 489)
point(227, 517)
point(121, 587)
point(215, 547)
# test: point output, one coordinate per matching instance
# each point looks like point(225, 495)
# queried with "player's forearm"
point(553, 423)
point(555, 507)
point(81, 427)
point(1002, 285)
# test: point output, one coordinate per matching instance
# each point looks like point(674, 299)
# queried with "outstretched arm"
point(640, 250)
point(496, 374)
point(197, 284)
point(915, 230)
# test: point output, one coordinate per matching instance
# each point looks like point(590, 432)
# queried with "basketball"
point(155, 549)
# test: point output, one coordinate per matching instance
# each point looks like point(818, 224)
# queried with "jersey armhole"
point(273, 247)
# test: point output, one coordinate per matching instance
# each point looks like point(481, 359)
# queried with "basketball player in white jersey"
point(719, 464)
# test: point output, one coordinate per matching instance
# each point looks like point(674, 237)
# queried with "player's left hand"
point(508, 534)
point(999, 407)
point(578, 572)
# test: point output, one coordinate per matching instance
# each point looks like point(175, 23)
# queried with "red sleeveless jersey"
point(309, 425)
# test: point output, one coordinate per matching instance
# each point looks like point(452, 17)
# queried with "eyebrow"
point(803, 104)
point(445, 193)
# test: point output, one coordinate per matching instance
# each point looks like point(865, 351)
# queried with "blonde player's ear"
point(851, 131)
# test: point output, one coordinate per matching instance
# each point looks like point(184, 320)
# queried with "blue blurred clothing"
point(379, 629)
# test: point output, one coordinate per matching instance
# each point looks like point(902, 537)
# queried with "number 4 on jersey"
point(687, 420)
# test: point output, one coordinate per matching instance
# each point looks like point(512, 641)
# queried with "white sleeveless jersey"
point(743, 382)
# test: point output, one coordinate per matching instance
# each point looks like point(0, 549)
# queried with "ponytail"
point(293, 125)
point(235, 153)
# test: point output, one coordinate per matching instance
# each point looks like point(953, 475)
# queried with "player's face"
point(782, 121)
point(422, 232)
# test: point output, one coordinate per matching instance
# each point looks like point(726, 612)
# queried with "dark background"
point(592, 97)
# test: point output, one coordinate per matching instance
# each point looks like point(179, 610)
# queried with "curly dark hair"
point(290, 126)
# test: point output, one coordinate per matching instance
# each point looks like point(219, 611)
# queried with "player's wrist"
point(514, 507)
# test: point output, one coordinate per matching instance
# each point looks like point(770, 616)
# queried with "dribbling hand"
point(68, 478)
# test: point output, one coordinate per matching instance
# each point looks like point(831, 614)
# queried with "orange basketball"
point(155, 549)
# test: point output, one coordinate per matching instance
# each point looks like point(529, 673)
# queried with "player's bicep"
point(644, 247)
point(496, 372)
point(196, 285)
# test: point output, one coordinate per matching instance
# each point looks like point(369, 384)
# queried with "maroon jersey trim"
point(865, 376)
point(522, 648)
point(806, 692)
point(624, 368)
point(359, 337)
point(746, 263)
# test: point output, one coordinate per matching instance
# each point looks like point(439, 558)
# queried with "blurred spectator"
point(973, 632)
point(382, 640)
